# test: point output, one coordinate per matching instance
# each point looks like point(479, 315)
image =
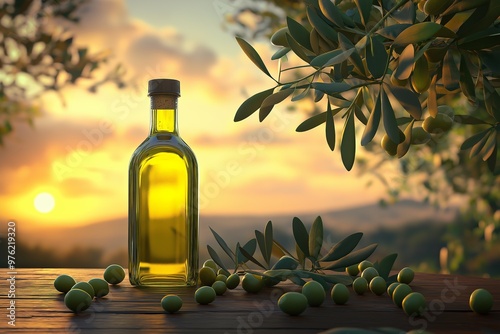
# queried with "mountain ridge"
point(111, 235)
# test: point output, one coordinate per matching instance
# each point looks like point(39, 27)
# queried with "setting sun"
point(44, 202)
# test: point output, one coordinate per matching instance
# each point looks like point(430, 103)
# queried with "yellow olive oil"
point(163, 199)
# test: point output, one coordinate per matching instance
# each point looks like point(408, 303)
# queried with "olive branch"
point(307, 261)
point(390, 63)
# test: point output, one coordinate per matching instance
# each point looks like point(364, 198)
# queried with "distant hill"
point(111, 235)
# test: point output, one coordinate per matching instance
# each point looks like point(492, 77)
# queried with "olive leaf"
point(373, 123)
point(299, 33)
point(223, 244)
point(330, 128)
point(348, 143)
point(269, 102)
point(392, 31)
point(213, 254)
point(303, 53)
point(352, 258)
point(451, 74)
point(323, 28)
point(331, 88)
point(422, 31)
point(473, 140)
point(312, 122)
point(301, 236)
point(316, 238)
point(408, 100)
point(384, 267)
point(405, 63)
point(376, 57)
point(259, 236)
point(249, 249)
point(331, 12)
point(251, 105)
point(364, 8)
point(253, 55)
point(466, 82)
point(246, 256)
point(388, 116)
point(280, 53)
point(343, 247)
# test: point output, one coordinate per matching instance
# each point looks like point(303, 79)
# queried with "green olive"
point(171, 303)
point(406, 275)
point(211, 264)
point(85, 287)
point(64, 283)
point(481, 301)
point(369, 273)
point(352, 270)
point(390, 289)
point(340, 294)
point(223, 271)
point(314, 292)
point(221, 277)
point(389, 146)
point(446, 110)
point(207, 276)
point(233, 281)
point(114, 274)
point(360, 285)
point(414, 304)
point(363, 265)
point(77, 300)
point(279, 37)
point(204, 295)
point(101, 287)
point(436, 125)
point(401, 291)
point(219, 288)
point(378, 285)
point(292, 303)
point(251, 283)
point(419, 136)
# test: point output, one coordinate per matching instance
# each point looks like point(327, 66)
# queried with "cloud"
point(47, 152)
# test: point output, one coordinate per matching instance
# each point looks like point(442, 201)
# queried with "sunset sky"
point(78, 153)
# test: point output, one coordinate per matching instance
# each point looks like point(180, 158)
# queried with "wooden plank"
point(39, 307)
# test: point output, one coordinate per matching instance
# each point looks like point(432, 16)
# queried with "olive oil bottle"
point(163, 198)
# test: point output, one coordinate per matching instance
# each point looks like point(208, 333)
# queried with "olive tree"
point(38, 55)
point(415, 83)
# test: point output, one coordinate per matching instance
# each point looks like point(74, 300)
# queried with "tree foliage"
point(37, 54)
point(388, 66)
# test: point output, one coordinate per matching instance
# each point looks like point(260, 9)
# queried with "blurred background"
point(73, 108)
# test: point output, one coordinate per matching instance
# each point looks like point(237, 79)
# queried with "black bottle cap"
point(164, 86)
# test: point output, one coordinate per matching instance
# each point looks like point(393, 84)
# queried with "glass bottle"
point(163, 198)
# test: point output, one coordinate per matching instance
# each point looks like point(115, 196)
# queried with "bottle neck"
point(164, 114)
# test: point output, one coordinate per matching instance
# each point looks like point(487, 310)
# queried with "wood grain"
point(40, 308)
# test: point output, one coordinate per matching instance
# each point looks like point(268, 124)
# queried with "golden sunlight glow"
point(44, 202)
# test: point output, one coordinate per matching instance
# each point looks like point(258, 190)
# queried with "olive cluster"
point(78, 296)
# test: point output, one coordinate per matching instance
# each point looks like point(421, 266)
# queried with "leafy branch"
point(308, 261)
point(401, 60)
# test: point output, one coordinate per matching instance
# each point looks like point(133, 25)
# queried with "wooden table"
point(39, 308)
